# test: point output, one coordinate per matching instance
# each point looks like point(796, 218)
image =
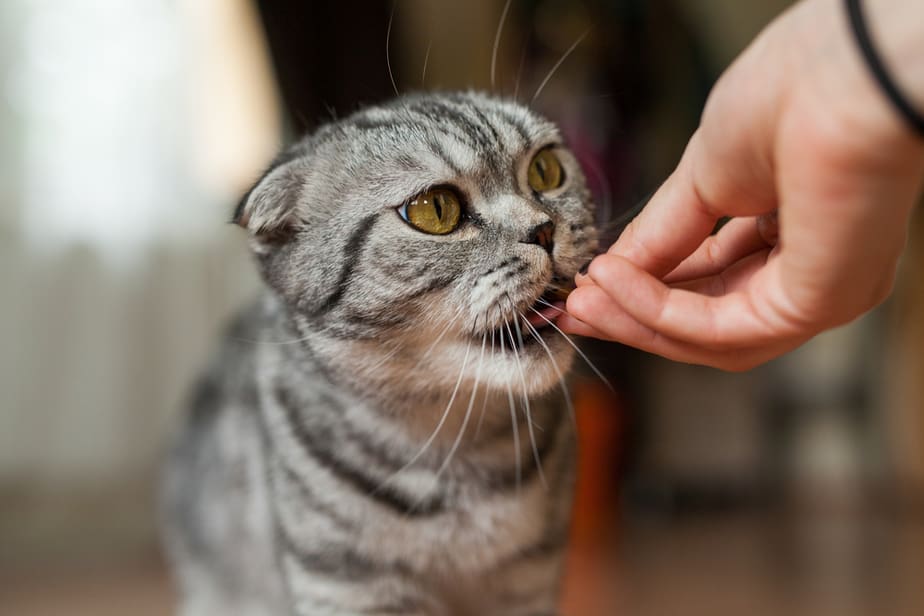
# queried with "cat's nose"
point(542, 235)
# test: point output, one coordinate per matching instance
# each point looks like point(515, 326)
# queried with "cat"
point(387, 430)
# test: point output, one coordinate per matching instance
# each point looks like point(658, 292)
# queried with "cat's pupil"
point(438, 206)
point(540, 169)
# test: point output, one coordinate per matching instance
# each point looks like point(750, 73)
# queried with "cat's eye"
point(437, 211)
point(545, 172)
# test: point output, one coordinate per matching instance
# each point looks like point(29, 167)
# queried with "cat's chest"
point(470, 538)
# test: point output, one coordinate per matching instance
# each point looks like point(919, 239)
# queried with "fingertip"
point(578, 304)
point(581, 278)
point(593, 307)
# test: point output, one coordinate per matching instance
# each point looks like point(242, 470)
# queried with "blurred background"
point(129, 129)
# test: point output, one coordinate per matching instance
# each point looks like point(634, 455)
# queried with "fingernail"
point(584, 268)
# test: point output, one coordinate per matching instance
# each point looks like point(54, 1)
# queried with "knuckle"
point(713, 251)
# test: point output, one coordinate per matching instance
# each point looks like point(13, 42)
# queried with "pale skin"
point(820, 173)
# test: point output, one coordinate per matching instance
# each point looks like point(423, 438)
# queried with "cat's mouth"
point(524, 330)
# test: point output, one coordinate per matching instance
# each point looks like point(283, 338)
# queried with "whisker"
point(484, 404)
point(330, 109)
point(579, 351)
point(269, 342)
point(391, 75)
point(468, 412)
point(513, 421)
point(624, 219)
point(436, 430)
point(561, 377)
point(385, 358)
point(529, 420)
point(420, 360)
point(560, 287)
point(606, 187)
point(516, 85)
point(557, 64)
point(545, 303)
point(423, 75)
point(445, 330)
point(497, 36)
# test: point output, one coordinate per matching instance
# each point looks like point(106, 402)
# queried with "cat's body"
point(382, 434)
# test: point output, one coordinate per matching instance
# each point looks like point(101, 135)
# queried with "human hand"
point(796, 126)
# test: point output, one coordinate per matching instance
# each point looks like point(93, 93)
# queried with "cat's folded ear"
point(269, 210)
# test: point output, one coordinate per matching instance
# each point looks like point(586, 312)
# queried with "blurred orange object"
point(594, 527)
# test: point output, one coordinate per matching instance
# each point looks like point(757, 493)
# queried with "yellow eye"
point(437, 211)
point(545, 172)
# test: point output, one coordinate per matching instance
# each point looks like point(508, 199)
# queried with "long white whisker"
point(439, 425)
point(385, 358)
point(550, 305)
point(561, 377)
point(579, 351)
point(529, 419)
point(497, 36)
point(391, 75)
point(513, 420)
point(557, 64)
point(420, 360)
point(468, 411)
point(484, 404)
point(443, 332)
point(432, 346)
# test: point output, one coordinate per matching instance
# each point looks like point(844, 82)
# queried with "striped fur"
point(361, 444)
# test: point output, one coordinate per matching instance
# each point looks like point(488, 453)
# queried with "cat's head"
point(427, 237)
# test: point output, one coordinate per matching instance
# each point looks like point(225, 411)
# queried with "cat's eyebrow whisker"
point(605, 186)
point(391, 75)
point(513, 421)
point(439, 425)
point(497, 37)
point(516, 86)
point(423, 75)
point(561, 377)
point(558, 64)
point(626, 217)
point(579, 351)
point(529, 419)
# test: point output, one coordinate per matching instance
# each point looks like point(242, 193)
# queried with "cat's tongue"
point(542, 316)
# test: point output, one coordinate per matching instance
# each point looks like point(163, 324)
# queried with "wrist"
point(858, 109)
point(897, 32)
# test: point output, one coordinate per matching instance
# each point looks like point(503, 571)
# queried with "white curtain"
point(128, 130)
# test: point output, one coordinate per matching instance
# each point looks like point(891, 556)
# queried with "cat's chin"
point(534, 368)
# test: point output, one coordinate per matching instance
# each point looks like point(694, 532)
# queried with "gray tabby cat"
point(396, 442)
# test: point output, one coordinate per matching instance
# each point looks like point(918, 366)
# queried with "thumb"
point(673, 224)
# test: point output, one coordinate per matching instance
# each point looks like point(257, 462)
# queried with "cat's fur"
point(353, 448)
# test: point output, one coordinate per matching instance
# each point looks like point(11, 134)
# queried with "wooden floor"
point(713, 565)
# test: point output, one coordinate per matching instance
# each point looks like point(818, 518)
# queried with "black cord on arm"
point(878, 69)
